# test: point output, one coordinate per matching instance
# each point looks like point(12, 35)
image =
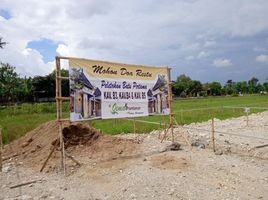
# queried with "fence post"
point(1, 142)
point(213, 134)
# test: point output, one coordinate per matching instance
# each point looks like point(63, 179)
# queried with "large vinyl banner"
point(112, 90)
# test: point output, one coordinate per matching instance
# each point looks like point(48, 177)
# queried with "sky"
point(208, 40)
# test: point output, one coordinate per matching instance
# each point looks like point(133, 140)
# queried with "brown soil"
point(81, 141)
point(169, 162)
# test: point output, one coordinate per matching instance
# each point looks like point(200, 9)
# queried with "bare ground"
point(140, 167)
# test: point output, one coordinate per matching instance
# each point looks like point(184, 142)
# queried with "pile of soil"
point(77, 134)
point(80, 139)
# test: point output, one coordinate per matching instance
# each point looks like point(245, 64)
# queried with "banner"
point(105, 90)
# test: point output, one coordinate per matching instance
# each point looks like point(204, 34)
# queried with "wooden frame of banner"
point(59, 98)
point(171, 114)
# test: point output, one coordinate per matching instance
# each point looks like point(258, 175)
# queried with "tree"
point(9, 83)
point(252, 83)
point(44, 86)
point(181, 85)
point(195, 87)
point(215, 88)
point(2, 44)
point(26, 90)
point(265, 86)
point(230, 87)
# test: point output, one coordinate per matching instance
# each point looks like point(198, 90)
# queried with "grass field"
point(18, 120)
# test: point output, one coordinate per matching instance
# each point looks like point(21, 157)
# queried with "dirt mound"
point(77, 134)
point(80, 139)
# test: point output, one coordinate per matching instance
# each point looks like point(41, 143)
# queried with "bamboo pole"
point(1, 144)
point(165, 133)
point(170, 100)
point(183, 135)
point(63, 98)
point(62, 77)
point(213, 134)
point(50, 154)
point(59, 112)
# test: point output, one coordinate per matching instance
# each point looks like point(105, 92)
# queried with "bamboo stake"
point(170, 103)
point(1, 144)
point(63, 77)
point(23, 184)
point(59, 112)
point(183, 135)
point(165, 133)
point(50, 154)
point(63, 98)
point(72, 158)
point(213, 134)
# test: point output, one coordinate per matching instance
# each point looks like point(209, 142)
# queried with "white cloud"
point(63, 50)
point(262, 58)
point(221, 62)
point(202, 54)
point(146, 32)
point(209, 43)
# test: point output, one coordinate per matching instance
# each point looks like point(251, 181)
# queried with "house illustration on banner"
point(85, 97)
point(158, 97)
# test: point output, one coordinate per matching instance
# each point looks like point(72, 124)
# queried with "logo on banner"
point(115, 108)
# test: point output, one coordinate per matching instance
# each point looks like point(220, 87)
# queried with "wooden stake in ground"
point(213, 134)
point(183, 135)
point(171, 114)
point(59, 111)
point(165, 133)
point(1, 144)
point(23, 184)
point(50, 154)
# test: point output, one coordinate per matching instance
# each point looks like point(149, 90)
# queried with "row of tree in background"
point(13, 88)
point(184, 86)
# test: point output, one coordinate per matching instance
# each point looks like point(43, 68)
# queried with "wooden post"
point(213, 134)
point(171, 114)
point(50, 154)
point(1, 142)
point(59, 111)
point(183, 135)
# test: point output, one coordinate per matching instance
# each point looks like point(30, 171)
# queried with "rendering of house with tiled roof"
point(158, 97)
point(85, 97)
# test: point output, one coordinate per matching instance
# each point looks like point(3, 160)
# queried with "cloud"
point(151, 32)
point(63, 50)
point(262, 58)
point(221, 62)
point(209, 43)
point(202, 54)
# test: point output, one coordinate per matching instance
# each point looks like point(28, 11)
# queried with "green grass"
point(18, 120)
